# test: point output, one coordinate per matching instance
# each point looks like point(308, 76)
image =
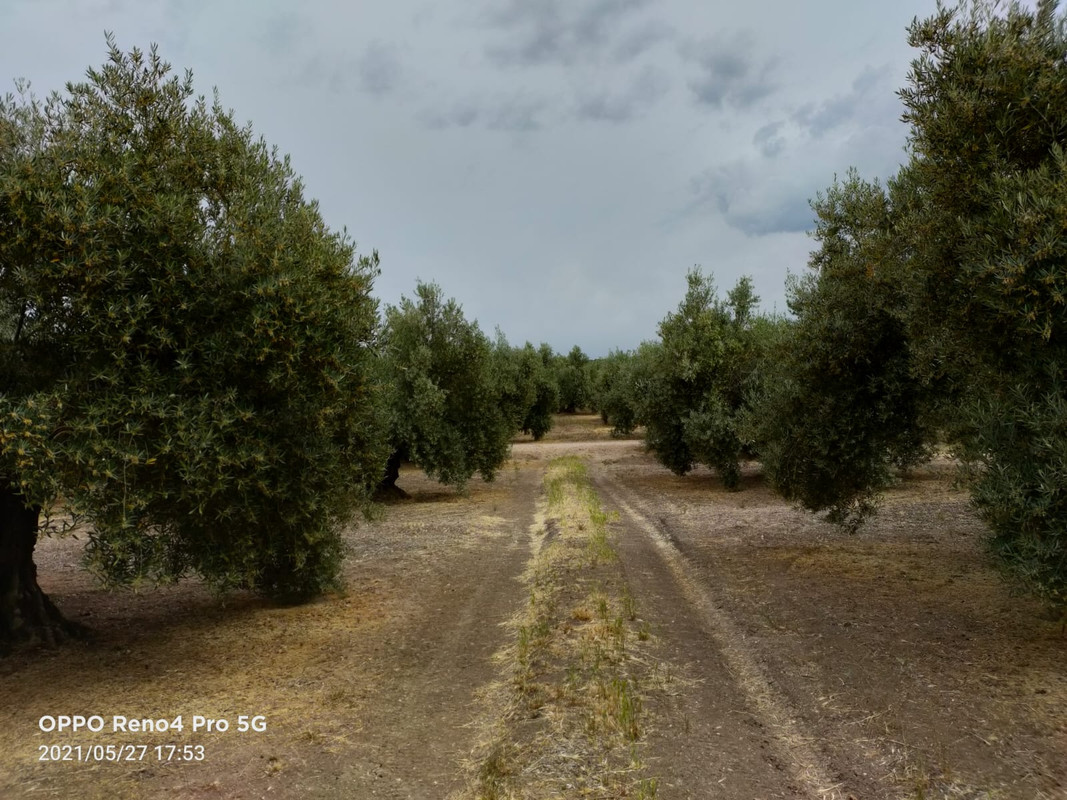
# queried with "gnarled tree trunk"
point(26, 613)
point(387, 488)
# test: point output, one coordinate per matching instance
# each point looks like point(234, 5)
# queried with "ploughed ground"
point(894, 663)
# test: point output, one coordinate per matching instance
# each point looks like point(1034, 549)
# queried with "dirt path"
point(369, 694)
point(417, 730)
point(732, 735)
point(811, 664)
point(889, 664)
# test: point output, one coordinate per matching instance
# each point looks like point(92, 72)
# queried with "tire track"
point(809, 771)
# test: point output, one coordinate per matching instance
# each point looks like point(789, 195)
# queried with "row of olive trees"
point(934, 311)
point(936, 306)
point(193, 362)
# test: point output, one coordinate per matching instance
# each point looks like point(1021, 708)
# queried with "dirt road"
point(890, 664)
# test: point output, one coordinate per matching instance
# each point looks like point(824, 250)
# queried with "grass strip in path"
point(568, 714)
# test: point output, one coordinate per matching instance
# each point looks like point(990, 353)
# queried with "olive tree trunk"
point(387, 488)
point(26, 613)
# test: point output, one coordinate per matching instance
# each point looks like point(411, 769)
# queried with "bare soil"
point(366, 694)
point(891, 663)
point(894, 663)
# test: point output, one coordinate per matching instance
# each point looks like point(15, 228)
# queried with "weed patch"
point(574, 716)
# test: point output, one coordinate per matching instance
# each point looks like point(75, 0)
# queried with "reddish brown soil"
point(893, 663)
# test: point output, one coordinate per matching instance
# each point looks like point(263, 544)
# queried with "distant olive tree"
point(614, 392)
point(695, 386)
point(525, 386)
point(572, 373)
point(449, 404)
point(537, 369)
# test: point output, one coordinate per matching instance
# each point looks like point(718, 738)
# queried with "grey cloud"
point(516, 113)
point(729, 71)
point(282, 34)
point(641, 39)
point(768, 140)
point(751, 203)
point(621, 106)
point(460, 115)
point(788, 215)
point(820, 118)
point(378, 69)
point(557, 31)
point(320, 71)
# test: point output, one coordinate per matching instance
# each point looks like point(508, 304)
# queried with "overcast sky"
point(555, 165)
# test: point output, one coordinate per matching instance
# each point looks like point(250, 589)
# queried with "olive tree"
point(572, 371)
point(941, 305)
point(445, 404)
point(614, 392)
point(525, 386)
point(535, 367)
point(184, 346)
point(839, 409)
point(696, 386)
point(987, 199)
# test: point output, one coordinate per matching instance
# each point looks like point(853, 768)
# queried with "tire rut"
point(769, 755)
point(421, 726)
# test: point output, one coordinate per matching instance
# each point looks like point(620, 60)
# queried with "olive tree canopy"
point(184, 346)
point(446, 405)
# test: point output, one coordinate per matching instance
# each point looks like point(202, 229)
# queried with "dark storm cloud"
point(625, 104)
point(868, 94)
point(768, 140)
point(535, 32)
point(751, 202)
point(378, 69)
point(729, 72)
point(514, 113)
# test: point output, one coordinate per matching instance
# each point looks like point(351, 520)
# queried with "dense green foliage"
point(538, 419)
point(842, 408)
point(525, 386)
point(572, 376)
point(695, 386)
point(938, 307)
point(452, 405)
point(986, 192)
point(613, 392)
point(185, 348)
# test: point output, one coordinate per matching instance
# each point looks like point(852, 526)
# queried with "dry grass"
point(316, 672)
point(570, 709)
point(293, 666)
